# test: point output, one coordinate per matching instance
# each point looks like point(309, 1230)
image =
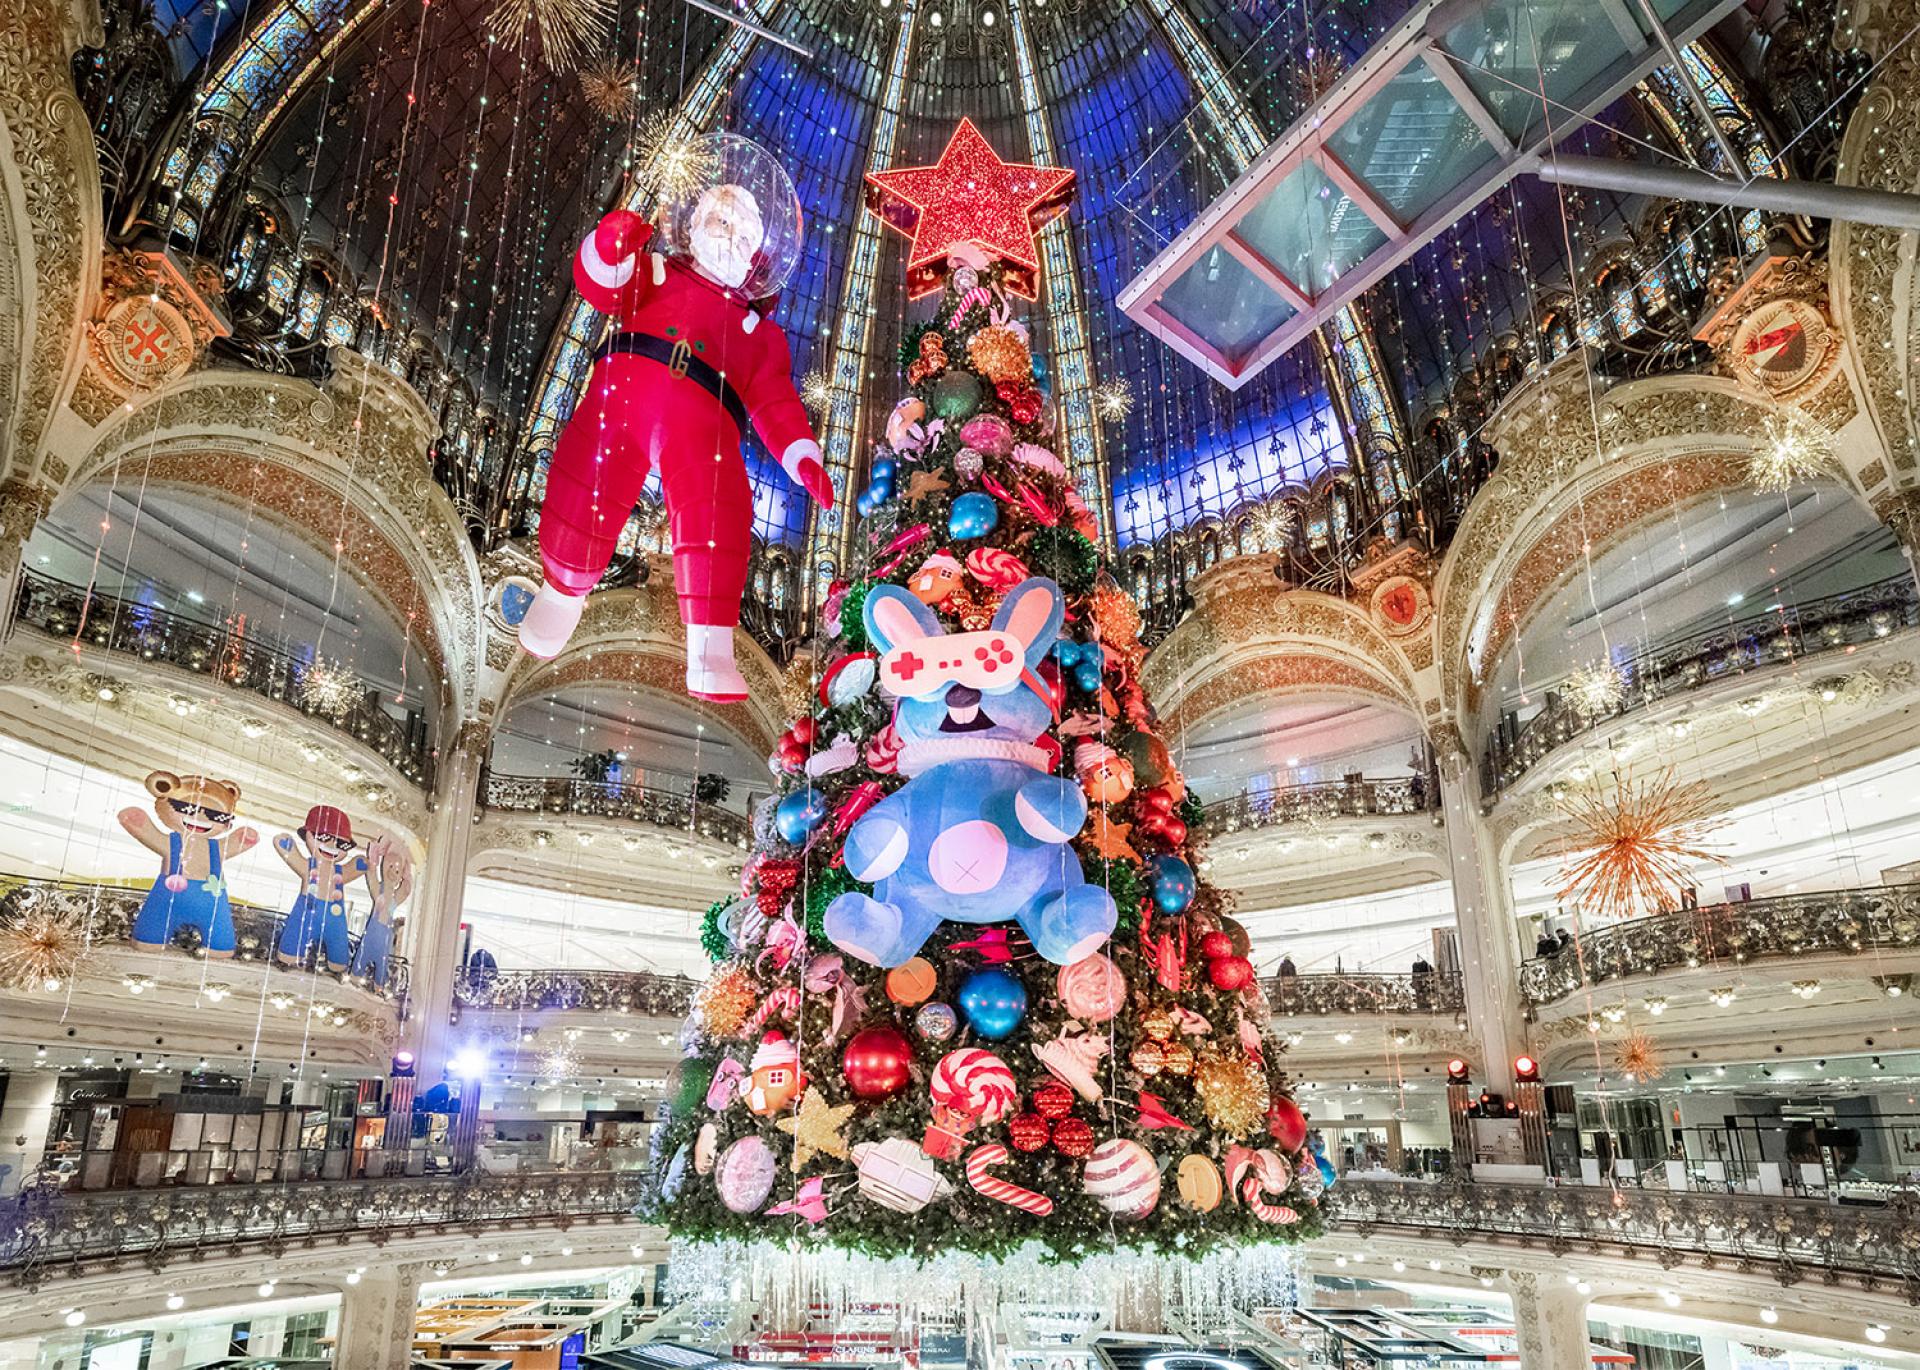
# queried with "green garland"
point(1065, 555)
point(853, 624)
point(712, 940)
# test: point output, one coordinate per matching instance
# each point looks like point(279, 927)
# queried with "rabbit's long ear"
point(893, 616)
point(1032, 612)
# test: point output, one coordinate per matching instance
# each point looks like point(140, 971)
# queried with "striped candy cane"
point(785, 1001)
point(983, 1158)
point(978, 295)
point(1267, 1213)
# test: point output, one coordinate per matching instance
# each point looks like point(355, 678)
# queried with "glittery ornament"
point(1028, 1132)
point(725, 1000)
point(968, 463)
point(1233, 1091)
point(1073, 1137)
point(1053, 1100)
point(932, 359)
point(1177, 1059)
point(1158, 1025)
point(998, 354)
point(1149, 1058)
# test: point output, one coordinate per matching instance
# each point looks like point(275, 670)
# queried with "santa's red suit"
point(692, 364)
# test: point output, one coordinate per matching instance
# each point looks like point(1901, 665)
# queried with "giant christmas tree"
point(972, 995)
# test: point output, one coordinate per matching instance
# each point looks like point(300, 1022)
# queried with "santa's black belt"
point(680, 358)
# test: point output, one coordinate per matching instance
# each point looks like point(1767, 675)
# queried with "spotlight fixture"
point(1526, 1069)
point(1769, 1315)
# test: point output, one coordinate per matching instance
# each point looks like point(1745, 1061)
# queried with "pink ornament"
point(987, 433)
point(861, 798)
point(1268, 1174)
point(883, 751)
point(744, 1175)
point(1122, 1176)
point(1033, 455)
point(1093, 988)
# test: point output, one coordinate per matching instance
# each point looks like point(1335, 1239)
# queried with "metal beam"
point(1882, 208)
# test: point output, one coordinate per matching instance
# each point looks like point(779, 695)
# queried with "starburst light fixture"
point(1638, 1057)
point(1630, 850)
point(329, 687)
point(610, 88)
point(1113, 400)
point(1796, 450)
point(42, 948)
point(678, 161)
point(1595, 690)
point(816, 391)
point(567, 28)
point(559, 1063)
point(1272, 525)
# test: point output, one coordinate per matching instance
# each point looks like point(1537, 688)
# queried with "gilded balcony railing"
point(1792, 633)
point(1330, 996)
point(583, 991)
point(1790, 1238)
point(1358, 797)
point(107, 913)
point(227, 652)
point(1825, 922)
point(660, 808)
point(49, 1233)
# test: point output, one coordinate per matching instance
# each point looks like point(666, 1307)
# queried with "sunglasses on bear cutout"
point(190, 810)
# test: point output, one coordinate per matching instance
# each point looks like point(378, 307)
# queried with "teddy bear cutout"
point(981, 830)
point(194, 839)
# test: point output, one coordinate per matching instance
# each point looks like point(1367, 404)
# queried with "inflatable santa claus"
point(693, 363)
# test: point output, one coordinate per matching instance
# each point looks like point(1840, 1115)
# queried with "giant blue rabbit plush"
point(980, 831)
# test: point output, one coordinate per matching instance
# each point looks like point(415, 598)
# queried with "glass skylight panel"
point(1310, 229)
point(1411, 142)
point(1221, 302)
point(1513, 50)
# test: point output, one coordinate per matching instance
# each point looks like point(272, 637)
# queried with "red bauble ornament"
point(1215, 945)
point(876, 1062)
point(1028, 1132)
point(1287, 1125)
point(1230, 973)
point(1053, 1100)
point(1073, 1137)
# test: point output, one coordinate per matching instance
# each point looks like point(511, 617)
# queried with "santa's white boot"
point(711, 673)
point(550, 621)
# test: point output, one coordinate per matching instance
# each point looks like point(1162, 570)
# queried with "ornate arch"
point(1249, 636)
point(1574, 469)
point(1873, 268)
point(50, 201)
point(633, 638)
point(347, 461)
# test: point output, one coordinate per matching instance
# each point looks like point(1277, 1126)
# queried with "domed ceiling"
point(452, 171)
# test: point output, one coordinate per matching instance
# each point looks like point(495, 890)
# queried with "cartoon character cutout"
point(979, 833)
point(389, 869)
point(194, 839)
point(694, 363)
point(319, 914)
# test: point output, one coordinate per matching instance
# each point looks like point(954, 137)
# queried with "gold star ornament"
point(816, 1128)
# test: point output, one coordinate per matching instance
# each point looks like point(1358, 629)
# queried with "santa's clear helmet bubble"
point(731, 209)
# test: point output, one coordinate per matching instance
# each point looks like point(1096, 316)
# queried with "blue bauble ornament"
point(1325, 1167)
point(1087, 676)
point(882, 470)
point(974, 515)
point(1172, 883)
point(994, 1002)
point(800, 813)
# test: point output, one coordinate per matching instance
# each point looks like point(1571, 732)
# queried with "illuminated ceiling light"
point(1795, 450)
point(175, 1302)
point(1805, 989)
point(1669, 1298)
point(1654, 1004)
point(1614, 1013)
point(1596, 690)
point(1721, 997)
point(1876, 1333)
point(1769, 1315)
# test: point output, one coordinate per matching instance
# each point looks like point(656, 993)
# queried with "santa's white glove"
point(807, 469)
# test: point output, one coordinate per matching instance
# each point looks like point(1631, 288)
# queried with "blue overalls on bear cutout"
point(981, 832)
point(376, 945)
point(201, 905)
point(313, 919)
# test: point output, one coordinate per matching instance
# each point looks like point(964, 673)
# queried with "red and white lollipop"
point(969, 1086)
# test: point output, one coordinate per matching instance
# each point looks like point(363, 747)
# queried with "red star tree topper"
point(970, 196)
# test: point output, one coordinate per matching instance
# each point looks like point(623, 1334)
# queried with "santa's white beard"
point(723, 261)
